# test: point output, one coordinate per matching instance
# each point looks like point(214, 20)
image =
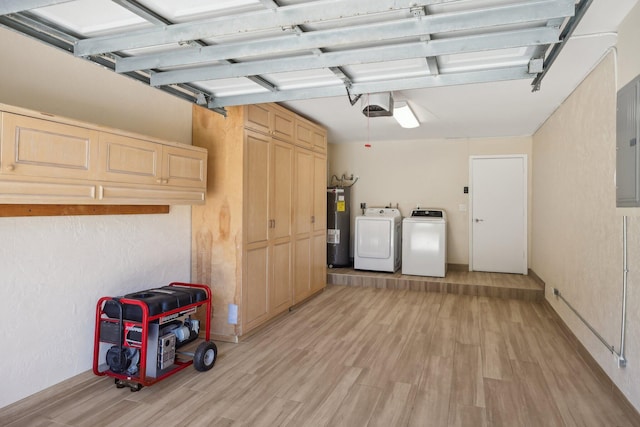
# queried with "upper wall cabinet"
point(54, 160)
point(40, 148)
point(147, 162)
point(271, 119)
point(309, 135)
point(627, 153)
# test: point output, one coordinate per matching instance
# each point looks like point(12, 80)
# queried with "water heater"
point(338, 226)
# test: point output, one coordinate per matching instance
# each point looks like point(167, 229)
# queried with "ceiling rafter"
point(155, 18)
point(450, 79)
point(500, 40)
point(379, 31)
point(337, 71)
point(282, 50)
point(282, 17)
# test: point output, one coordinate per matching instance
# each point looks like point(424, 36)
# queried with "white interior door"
point(498, 214)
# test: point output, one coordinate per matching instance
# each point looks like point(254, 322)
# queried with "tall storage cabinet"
point(268, 181)
point(310, 224)
point(245, 239)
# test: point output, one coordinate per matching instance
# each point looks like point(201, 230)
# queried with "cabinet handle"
point(313, 219)
point(274, 223)
point(11, 168)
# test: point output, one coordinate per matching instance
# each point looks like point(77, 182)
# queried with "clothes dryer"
point(378, 240)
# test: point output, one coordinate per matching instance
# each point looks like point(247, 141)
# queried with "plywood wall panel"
point(217, 226)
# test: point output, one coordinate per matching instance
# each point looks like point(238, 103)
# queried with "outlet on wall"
point(232, 317)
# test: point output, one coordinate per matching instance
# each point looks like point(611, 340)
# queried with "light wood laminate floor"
point(358, 356)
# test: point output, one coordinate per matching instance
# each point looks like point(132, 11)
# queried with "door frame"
point(525, 201)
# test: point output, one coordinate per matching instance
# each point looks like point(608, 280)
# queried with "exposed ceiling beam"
point(432, 61)
point(282, 17)
point(450, 79)
point(581, 10)
point(15, 6)
point(40, 29)
point(413, 27)
point(490, 41)
point(157, 19)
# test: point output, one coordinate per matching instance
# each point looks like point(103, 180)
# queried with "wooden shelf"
point(61, 210)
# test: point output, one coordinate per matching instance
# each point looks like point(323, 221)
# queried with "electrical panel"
point(627, 153)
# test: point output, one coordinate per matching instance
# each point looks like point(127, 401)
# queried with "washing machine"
point(378, 240)
point(424, 243)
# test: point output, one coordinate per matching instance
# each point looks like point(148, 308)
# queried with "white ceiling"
point(305, 54)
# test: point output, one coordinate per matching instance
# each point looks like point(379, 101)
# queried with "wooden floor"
point(359, 356)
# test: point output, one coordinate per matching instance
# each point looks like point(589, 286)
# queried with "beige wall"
point(429, 173)
point(54, 269)
point(38, 77)
point(577, 231)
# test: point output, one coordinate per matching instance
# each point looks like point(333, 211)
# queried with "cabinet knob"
point(11, 168)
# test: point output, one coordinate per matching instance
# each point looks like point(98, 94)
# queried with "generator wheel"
point(135, 387)
point(205, 356)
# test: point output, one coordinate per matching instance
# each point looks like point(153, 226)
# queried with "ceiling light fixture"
point(404, 115)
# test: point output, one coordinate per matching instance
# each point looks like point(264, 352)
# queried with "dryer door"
point(373, 238)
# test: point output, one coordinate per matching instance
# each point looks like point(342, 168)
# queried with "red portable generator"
point(140, 338)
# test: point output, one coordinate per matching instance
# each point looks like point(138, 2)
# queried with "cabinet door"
point(281, 205)
point(308, 216)
point(184, 167)
point(258, 118)
point(304, 134)
point(319, 139)
point(283, 125)
point(319, 240)
point(255, 294)
point(40, 148)
point(302, 268)
point(318, 274)
point(281, 200)
point(319, 191)
point(129, 160)
point(256, 176)
point(304, 191)
point(280, 278)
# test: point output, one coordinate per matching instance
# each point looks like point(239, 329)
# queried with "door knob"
point(479, 220)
